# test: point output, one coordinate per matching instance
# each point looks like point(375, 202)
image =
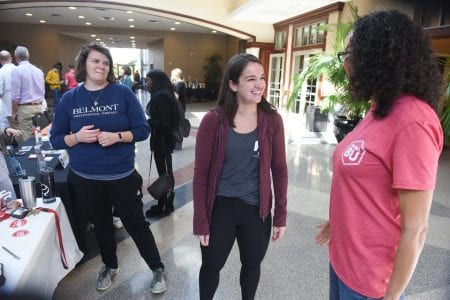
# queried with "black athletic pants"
point(233, 219)
point(96, 198)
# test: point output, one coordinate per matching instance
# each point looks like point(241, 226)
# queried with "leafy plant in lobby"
point(328, 66)
point(445, 116)
point(213, 75)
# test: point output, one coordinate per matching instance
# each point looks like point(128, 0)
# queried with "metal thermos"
point(27, 187)
point(47, 180)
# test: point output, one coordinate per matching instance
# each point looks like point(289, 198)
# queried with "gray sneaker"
point(159, 281)
point(104, 277)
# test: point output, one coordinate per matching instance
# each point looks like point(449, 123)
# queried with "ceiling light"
point(172, 28)
point(72, 7)
point(132, 37)
point(106, 18)
point(214, 31)
point(88, 23)
point(98, 39)
point(131, 26)
point(29, 14)
point(130, 20)
point(93, 35)
point(129, 12)
point(177, 23)
point(81, 17)
point(42, 21)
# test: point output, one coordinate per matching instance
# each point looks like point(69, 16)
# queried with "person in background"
point(163, 113)
point(5, 87)
point(137, 84)
point(384, 171)
point(27, 93)
point(53, 79)
point(179, 85)
point(69, 78)
point(99, 123)
point(240, 147)
point(126, 77)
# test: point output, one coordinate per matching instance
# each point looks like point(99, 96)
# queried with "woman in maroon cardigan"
point(239, 145)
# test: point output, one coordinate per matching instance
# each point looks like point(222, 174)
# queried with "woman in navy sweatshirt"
point(99, 123)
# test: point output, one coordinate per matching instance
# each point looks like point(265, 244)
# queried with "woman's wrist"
point(75, 138)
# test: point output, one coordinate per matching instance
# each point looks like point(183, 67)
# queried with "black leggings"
point(233, 219)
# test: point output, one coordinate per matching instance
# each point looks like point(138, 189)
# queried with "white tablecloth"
point(39, 268)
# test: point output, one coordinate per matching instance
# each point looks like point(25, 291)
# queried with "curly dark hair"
point(227, 98)
point(391, 56)
point(80, 62)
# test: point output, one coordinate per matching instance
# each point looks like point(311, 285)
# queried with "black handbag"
point(161, 186)
point(41, 120)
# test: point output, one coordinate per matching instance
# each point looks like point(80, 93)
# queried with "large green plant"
point(445, 117)
point(212, 68)
point(328, 66)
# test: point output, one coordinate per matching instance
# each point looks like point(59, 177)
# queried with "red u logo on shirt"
point(354, 153)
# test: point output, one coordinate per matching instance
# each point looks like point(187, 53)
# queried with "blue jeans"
point(339, 291)
point(56, 96)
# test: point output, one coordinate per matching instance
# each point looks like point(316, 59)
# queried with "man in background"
point(54, 81)
point(27, 93)
point(5, 88)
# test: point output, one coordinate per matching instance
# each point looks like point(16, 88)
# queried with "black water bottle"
point(47, 180)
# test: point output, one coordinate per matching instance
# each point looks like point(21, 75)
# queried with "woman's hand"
point(323, 237)
point(108, 138)
point(87, 134)
point(277, 232)
point(13, 132)
point(204, 239)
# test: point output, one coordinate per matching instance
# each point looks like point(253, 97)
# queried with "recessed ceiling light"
point(177, 23)
point(214, 31)
point(131, 26)
point(42, 21)
point(93, 35)
point(106, 18)
point(72, 7)
point(81, 17)
point(98, 39)
point(132, 37)
point(130, 20)
point(172, 28)
point(29, 14)
point(88, 23)
point(129, 12)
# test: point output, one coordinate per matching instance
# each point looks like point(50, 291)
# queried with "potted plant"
point(445, 116)
point(213, 75)
point(328, 67)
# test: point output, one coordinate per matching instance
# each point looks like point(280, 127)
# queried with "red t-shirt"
point(70, 79)
point(378, 157)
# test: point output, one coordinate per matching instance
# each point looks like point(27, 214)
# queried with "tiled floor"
point(294, 268)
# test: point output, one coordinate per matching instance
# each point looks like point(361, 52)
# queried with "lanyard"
point(58, 229)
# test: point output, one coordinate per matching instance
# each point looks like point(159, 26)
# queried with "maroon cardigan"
point(209, 156)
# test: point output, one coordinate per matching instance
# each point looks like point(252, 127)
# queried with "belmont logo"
point(353, 154)
point(100, 109)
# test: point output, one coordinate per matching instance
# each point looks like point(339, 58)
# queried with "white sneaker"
point(117, 222)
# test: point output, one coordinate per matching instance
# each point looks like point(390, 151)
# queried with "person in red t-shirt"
point(69, 78)
point(384, 171)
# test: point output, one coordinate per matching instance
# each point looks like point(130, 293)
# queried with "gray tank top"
point(240, 170)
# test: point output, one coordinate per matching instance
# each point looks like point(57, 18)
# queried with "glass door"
point(276, 70)
point(307, 95)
